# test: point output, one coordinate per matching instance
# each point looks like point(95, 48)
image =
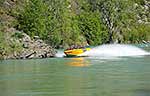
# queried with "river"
point(83, 76)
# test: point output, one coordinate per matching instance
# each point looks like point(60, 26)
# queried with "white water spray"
point(115, 50)
point(60, 53)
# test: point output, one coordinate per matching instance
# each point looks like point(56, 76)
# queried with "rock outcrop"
point(28, 48)
point(35, 48)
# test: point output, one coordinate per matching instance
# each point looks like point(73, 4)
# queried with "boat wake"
point(60, 53)
point(115, 50)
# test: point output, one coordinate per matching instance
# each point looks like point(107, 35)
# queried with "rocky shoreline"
point(30, 48)
point(22, 46)
point(35, 48)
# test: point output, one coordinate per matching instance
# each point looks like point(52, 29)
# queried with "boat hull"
point(75, 52)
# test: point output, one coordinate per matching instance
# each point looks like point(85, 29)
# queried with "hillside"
point(62, 23)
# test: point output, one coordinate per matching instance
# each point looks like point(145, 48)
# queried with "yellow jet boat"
point(75, 52)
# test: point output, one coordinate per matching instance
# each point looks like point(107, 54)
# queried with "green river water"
point(83, 76)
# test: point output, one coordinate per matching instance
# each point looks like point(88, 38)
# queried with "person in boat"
point(76, 47)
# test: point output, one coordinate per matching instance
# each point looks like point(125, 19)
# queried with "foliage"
point(67, 22)
point(120, 17)
point(33, 19)
point(56, 25)
point(8, 47)
point(137, 34)
point(91, 28)
point(17, 35)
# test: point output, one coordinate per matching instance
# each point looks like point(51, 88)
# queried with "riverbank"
point(18, 45)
